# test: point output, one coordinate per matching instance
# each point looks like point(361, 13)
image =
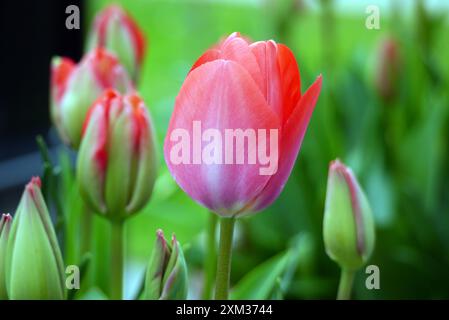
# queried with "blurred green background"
point(383, 110)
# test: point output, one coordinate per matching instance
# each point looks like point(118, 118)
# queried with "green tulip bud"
point(34, 266)
point(348, 226)
point(116, 165)
point(5, 226)
point(166, 277)
point(115, 30)
point(75, 87)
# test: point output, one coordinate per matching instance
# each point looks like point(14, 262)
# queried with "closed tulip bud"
point(5, 226)
point(74, 88)
point(238, 124)
point(117, 162)
point(166, 276)
point(348, 227)
point(34, 266)
point(116, 31)
point(388, 68)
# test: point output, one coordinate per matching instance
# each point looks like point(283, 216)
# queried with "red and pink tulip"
point(116, 31)
point(245, 97)
point(75, 87)
point(116, 166)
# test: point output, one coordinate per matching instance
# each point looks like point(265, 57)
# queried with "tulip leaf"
point(271, 278)
point(259, 283)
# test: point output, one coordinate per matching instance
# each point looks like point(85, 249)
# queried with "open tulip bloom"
point(236, 130)
point(238, 124)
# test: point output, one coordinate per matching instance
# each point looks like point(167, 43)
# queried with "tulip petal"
point(116, 31)
point(293, 133)
point(61, 68)
point(236, 49)
point(156, 268)
point(137, 36)
point(290, 80)
point(5, 226)
point(208, 56)
point(147, 164)
point(32, 245)
point(266, 56)
point(215, 53)
point(118, 173)
point(35, 192)
point(222, 95)
point(107, 71)
point(92, 158)
point(119, 42)
point(175, 277)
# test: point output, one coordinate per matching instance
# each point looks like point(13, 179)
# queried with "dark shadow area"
point(31, 32)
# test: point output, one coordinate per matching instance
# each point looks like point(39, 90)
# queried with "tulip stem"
point(345, 286)
point(86, 230)
point(117, 260)
point(210, 260)
point(224, 258)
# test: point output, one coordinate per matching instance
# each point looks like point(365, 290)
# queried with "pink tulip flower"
point(238, 124)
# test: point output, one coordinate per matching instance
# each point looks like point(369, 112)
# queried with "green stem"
point(345, 286)
point(86, 230)
point(224, 259)
point(210, 259)
point(117, 260)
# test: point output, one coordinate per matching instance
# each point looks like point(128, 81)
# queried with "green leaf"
point(259, 283)
point(264, 281)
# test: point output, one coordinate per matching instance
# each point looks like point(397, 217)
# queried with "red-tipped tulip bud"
point(34, 266)
point(166, 277)
point(117, 162)
point(116, 31)
point(238, 124)
point(387, 72)
point(5, 226)
point(349, 231)
point(74, 88)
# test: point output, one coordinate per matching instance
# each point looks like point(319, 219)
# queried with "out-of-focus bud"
point(388, 68)
point(166, 277)
point(34, 266)
point(5, 226)
point(348, 227)
point(116, 31)
point(74, 88)
point(117, 161)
